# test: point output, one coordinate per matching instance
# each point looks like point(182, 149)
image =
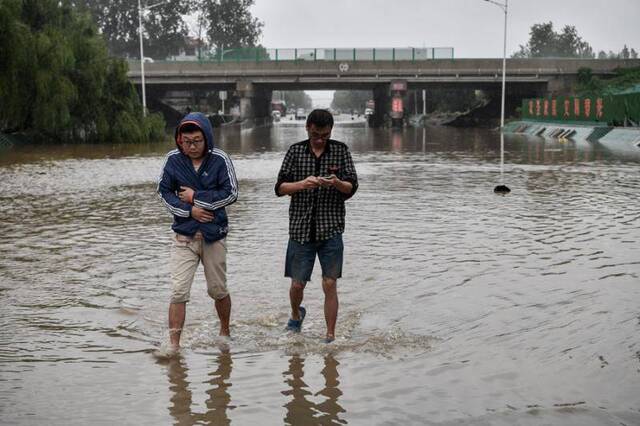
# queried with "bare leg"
point(223, 308)
point(329, 286)
point(177, 313)
point(296, 294)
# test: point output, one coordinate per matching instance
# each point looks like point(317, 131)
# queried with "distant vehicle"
point(368, 112)
point(300, 115)
point(148, 60)
point(279, 106)
point(276, 115)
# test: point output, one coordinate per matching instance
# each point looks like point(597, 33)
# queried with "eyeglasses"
point(193, 142)
point(322, 136)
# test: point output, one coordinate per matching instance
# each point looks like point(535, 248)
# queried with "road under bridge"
point(254, 81)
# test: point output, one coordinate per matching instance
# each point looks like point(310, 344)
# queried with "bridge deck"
point(439, 70)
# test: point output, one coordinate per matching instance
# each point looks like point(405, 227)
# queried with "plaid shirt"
point(317, 214)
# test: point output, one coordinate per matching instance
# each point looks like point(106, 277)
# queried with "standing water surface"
point(457, 306)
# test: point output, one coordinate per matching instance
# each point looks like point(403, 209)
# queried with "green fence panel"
point(631, 103)
point(587, 109)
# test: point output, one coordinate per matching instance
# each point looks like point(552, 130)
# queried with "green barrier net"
point(611, 109)
point(261, 54)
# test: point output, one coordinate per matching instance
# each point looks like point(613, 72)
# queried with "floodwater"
point(458, 306)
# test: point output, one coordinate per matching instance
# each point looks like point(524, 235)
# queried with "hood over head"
point(200, 120)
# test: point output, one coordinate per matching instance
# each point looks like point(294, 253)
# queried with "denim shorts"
point(301, 257)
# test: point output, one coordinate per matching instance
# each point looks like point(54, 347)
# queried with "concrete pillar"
point(255, 101)
point(560, 86)
point(262, 103)
point(382, 105)
point(246, 91)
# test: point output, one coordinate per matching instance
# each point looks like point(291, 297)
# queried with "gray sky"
point(473, 28)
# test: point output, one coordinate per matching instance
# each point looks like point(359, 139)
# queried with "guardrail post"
point(334, 53)
point(315, 54)
point(354, 54)
point(413, 54)
point(374, 54)
point(393, 54)
point(295, 54)
point(276, 55)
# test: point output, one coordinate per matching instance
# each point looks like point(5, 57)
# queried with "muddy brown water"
point(458, 306)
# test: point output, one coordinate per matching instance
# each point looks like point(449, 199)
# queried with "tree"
point(625, 52)
point(58, 82)
point(348, 100)
point(297, 99)
point(545, 42)
point(230, 23)
point(165, 29)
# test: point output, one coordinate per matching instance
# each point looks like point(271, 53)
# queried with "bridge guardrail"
point(261, 54)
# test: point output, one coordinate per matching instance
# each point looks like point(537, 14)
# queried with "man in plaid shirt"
point(319, 175)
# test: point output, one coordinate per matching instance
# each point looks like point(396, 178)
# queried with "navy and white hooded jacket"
point(215, 185)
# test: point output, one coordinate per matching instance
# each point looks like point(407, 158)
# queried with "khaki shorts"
point(186, 254)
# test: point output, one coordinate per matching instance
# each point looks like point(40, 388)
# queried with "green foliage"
point(544, 42)
point(164, 26)
point(589, 85)
point(229, 23)
point(215, 24)
point(57, 81)
point(625, 53)
point(297, 99)
point(348, 100)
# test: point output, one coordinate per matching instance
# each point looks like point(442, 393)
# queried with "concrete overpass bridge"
point(253, 81)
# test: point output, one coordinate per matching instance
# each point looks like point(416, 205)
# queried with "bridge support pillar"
point(382, 105)
point(560, 86)
point(254, 101)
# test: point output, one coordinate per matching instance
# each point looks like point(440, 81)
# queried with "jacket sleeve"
point(227, 184)
point(167, 191)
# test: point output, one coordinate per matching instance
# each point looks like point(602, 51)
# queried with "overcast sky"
point(473, 28)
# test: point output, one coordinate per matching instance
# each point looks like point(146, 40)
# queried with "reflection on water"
point(218, 398)
point(456, 305)
point(301, 409)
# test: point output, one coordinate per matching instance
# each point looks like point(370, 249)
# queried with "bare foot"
point(167, 351)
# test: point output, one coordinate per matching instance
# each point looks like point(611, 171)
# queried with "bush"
point(57, 81)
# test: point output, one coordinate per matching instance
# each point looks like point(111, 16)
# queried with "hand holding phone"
point(326, 181)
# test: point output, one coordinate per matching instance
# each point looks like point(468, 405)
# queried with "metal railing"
point(261, 54)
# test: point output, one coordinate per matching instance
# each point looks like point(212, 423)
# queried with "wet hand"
point(202, 215)
point(186, 194)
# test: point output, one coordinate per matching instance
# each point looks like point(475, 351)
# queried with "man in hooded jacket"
point(196, 183)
